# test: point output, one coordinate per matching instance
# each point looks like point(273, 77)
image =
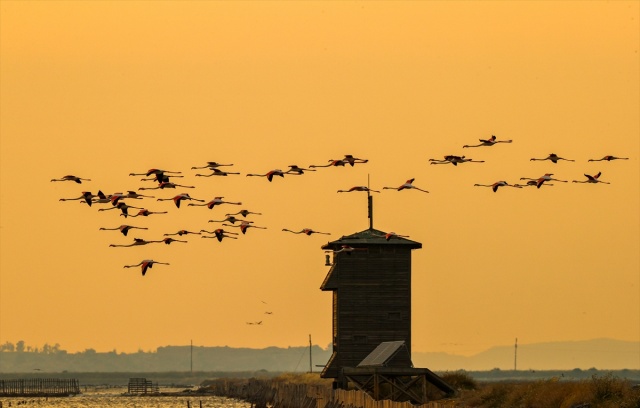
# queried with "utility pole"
point(192, 356)
point(515, 356)
point(310, 361)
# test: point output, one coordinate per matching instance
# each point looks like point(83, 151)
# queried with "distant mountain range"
point(602, 354)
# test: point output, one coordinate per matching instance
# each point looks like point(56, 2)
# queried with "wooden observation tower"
point(371, 285)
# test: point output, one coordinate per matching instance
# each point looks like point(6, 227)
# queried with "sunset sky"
point(103, 89)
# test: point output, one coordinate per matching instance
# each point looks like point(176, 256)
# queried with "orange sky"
point(103, 89)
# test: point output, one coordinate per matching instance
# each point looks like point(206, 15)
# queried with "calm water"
point(113, 398)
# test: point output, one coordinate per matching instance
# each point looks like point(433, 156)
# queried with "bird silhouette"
point(455, 160)
point(134, 195)
point(155, 172)
point(609, 158)
point(72, 178)
point(358, 188)
point(177, 199)
point(229, 218)
point(183, 232)
point(531, 183)
point(553, 157)
point(211, 165)
point(169, 240)
point(543, 179)
point(165, 184)
point(219, 234)
point(136, 242)
point(216, 201)
point(306, 231)
point(123, 207)
point(216, 172)
point(244, 213)
point(124, 229)
point(146, 264)
point(391, 235)
point(145, 213)
point(489, 142)
point(592, 179)
point(295, 170)
point(244, 226)
point(353, 160)
point(496, 185)
point(406, 186)
point(86, 197)
point(270, 175)
point(347, 249)
point(332, 163)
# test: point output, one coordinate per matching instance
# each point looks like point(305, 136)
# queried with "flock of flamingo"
point(162, 178)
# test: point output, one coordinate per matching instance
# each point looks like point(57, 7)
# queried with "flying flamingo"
point(136, 242)
point(183, 232)
point(269, 175)
point(542, 179)
point(86, 196)
point(122, 206)
point(531, 183)
point(358, 188)
point(592, 179)
point(295, 170)
point(553, 157)
point(102, 199)
point(216, 172)
point(123, 228)
point(353, 160)
point(169, 240)
point(454, 160)
point(391, 235)
point(219, 234)
point(136, 196)
point(155, 172)
point(609, 158)
point(495, 185)
point(216, 201)
point(244, 213)
point(229, 218)
point(71, 178)
point(306, 231)
point(407, 185)
point(211, 165)
point(348, 249)
point(489, 142)
point(147, 263)
point(165, 184)
point(145, 213)
point(244, 225)
point(160, 178)
point(177, 199)
point(332, 163)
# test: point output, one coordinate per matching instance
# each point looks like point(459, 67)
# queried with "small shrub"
point(460, 380)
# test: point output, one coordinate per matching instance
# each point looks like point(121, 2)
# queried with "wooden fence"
point(39, 386)
point(278, 394)
point(141, 386)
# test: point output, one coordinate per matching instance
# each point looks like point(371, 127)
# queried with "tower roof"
point(371, 237)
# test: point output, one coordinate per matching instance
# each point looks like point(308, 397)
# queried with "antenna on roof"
point(370, 203)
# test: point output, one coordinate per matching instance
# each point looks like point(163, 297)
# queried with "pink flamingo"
point(496, 185)
point(348, 249)
point(406, 186)
point(244, 213)
point(609, 158)
point(306, 231)
point(543, 179)
point(72, 178)
point(122, 206)
point(553, 157)
point(455, 160)
point(177, 199)
point(229, 218)
point(211, 165)
point(124, 229)
point(147, 263)
point(165, 184)
point(86, 196)
point(244, 226)
point(489, 142)
point(136, 242)
point(145, 213)
point(269, 175)
point(332, 163)
point(219, 234)
point(169, 240)
point(592, 179)
point(353, 160)
point(183, 232)
point(358, 188)
point(294, 169)
point(216, 201)
point(216, 172)
point(391, 235)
